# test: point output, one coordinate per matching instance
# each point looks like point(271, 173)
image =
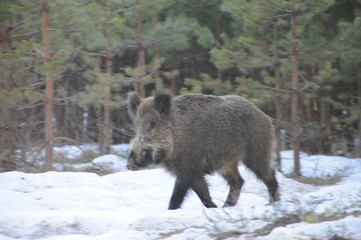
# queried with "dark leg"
point(272, 186)
point(235, 181)
point(200, 187)
point(264, 172)
point(181, 188)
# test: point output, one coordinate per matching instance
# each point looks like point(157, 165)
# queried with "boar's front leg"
point(181, 188)
point(198, 185)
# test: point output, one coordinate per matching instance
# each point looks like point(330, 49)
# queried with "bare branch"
point(278, 16)
point(94, 54)
point(59, 53)
point(25, 35)
point(125, 9)
point(79, 5)
point(39, 52)
point(276, 7)
point(30, 106)
point(269, 88)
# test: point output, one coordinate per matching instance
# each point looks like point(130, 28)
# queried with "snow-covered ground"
point(133, 205)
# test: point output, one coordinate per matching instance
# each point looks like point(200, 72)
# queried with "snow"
point(133, 205)
point(350, 226)
point(109, 163)
point(319, 165)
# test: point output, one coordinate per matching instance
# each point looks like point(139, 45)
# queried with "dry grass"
point(317, 181)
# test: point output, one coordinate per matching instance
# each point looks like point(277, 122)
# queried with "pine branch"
point(25, 35)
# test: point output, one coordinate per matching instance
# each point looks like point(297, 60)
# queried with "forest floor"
point(324, 204)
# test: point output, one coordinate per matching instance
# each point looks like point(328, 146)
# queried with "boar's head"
point(152, 119)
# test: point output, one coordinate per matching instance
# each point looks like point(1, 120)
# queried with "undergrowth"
point(318, 181)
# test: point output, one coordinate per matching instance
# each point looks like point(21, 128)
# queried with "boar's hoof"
point(228, 205)
point(275, 197)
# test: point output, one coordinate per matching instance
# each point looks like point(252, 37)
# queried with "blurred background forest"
point(67, 65)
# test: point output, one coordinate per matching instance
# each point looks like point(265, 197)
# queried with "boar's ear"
point(133, 102)
point(163, 102)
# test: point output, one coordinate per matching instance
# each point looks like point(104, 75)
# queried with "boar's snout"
point(135, 162)
point(131, 165)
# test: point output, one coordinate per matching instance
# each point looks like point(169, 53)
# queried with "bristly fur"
point(196, 134)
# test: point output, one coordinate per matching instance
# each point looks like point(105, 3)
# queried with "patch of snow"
point(111, 162)
point(133, 205)
point(320, 165)
point(348, 227)
point(108, 163)
point(121, 149)
point(72, 152)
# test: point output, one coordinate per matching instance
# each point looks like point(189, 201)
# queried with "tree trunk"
point(91, 124)
point(61, 117)
point(309, 110)
point(357, 140)
point(157, 48)
point(174, 79)
point(325, 114)
point(105, 126)
point(140, 73)
point(296, 123)
point(278, 86)
point(325, 126)
point(49, 89)
point(7, 151)
point(22, 132)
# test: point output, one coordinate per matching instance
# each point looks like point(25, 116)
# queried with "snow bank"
point(109, 163)
point(347, 227)
point(133, 205)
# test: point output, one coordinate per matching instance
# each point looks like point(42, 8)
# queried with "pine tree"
point(37, 46)
point(290, 43)
point(49, 87)
point(102, 41)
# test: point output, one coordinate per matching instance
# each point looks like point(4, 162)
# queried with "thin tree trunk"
point(296, 123)
point(174, 80)
point(325, 114)
point(140, 73)
point(7, 151)
point(325, 126)
point(22, 132)
point(157, 47)
point(61, 116)
point(357, 141)
point(49, 89)
point(91, 124)
point(105, 132)
point(309, 110)
point(278, 86)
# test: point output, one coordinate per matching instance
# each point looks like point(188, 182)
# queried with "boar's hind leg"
point(235, 182)
point(268, 176)
point(272, 185)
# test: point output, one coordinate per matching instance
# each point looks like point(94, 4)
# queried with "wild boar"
point(195, 134)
